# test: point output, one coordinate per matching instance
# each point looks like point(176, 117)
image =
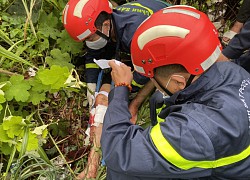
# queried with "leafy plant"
point(43, 112)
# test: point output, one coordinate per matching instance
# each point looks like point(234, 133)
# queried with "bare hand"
point(121, 73)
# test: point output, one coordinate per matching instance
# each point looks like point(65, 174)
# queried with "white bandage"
point(102, 92)
point(100, 111)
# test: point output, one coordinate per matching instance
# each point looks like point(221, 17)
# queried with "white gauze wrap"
point(100, 111)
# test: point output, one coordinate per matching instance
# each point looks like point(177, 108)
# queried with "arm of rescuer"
point(238, 44)
point(128, 149)
point(135, 104)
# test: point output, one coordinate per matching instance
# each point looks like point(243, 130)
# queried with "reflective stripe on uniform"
point(158, 110)
point(136, 84)
point(91, 65)
point(169, 153)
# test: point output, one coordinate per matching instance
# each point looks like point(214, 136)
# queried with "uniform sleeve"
point(239, 43)
point(128, 148)
point(244, 12)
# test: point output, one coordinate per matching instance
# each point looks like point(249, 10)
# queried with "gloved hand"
point(90, 93)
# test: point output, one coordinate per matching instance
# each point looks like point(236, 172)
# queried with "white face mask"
point(98, 44)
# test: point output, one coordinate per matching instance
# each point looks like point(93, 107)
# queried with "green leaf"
point(67, 44)
point(18, 90)
point(55, 76)
point(36, 97)
point(38, 86)
point(32, 143)
point(47, 20)
point(13, 125)
point(43, 44)
point(45, 133)
point(59, 58)
point(50, 32)
point(26, 46)
point(5, 37)
point(48, 25)
point(7, 54)
point(5, 148)
point(2, 98)
point(4, 137)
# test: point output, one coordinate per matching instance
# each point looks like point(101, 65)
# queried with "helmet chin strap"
point(99, 33)
point(190, 79)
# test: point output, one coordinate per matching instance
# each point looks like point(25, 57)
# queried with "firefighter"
point(107, 33)
point(238, 48)
point(203, 131)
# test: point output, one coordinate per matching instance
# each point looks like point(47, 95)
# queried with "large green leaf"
point(13, 125)
point(56, 76)
point(67, 44)
point(18, 89)
point(59, 58)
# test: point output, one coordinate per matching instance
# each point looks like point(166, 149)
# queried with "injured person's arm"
point(94, 157)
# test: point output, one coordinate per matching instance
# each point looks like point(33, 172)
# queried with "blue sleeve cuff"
point(119, 93)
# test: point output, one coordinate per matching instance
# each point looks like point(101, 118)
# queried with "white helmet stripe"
point(139, 69)
point(182, 11)
point(211, 59)
point(180, 6)
point(84, 35)
point(160, 31)
point(110, 5)
point(78, 8)
point(65, 14)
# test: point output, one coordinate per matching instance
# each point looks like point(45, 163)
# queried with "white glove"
point(90, 93)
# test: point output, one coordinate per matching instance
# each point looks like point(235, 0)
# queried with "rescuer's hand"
point(121, 73)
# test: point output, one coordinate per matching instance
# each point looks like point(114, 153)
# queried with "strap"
point(102, 35)
point(99, 81)
point(190, 79)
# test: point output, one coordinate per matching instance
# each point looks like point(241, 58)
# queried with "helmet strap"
point(102, 35)
point(190, 79)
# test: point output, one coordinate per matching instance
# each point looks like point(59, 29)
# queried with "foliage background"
point(43, 107)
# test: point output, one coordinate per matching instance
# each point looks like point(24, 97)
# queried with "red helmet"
point(175, 35)
point(79, 17)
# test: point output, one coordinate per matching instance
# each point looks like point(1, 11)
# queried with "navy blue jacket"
point(206, 121)
point(126, 19)
point(239, 43)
